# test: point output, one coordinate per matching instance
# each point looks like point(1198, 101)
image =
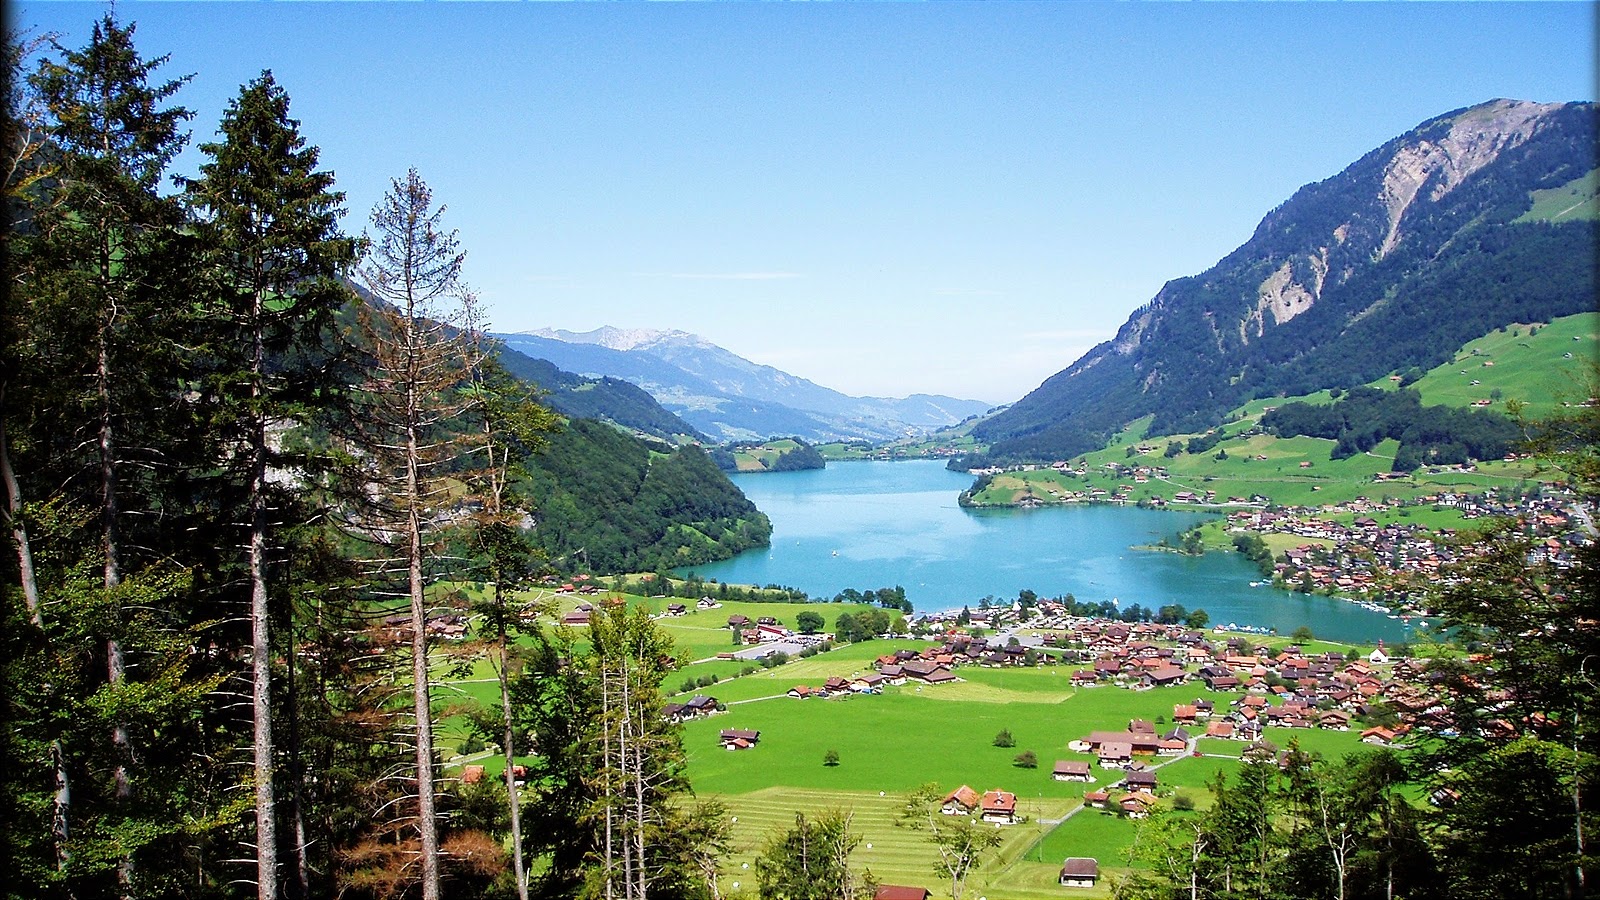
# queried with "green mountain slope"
point(1417, 248)
point(1540, 366)
point(621, 505)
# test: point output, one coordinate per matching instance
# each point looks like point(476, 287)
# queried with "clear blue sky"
point(887, 198)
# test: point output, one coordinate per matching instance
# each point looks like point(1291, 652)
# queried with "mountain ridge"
point(733, 398)
point(1410, 251)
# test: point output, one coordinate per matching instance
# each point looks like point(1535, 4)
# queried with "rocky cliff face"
point(1380, 267)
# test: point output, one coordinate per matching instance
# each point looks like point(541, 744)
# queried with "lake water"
point(870, 525)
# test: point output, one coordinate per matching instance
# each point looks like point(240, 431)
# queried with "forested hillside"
point(628, 507)
point(1416, 249)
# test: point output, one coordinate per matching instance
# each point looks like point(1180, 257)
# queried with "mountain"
point(1458, 227)
point(732, 398)
point(609, 399)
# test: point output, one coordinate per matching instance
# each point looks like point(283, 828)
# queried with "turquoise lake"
point(870, 525)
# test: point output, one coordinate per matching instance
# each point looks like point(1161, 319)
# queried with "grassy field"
point(1575, 200)
point(891, 743)
point(1540, 367)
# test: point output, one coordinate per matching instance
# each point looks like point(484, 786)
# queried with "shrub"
point(1182, 801)
point(1004, 738)
point(1026, 760)
point(831, 758)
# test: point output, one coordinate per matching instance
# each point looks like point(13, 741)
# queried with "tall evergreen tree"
point(269, 224)
point(108, 251)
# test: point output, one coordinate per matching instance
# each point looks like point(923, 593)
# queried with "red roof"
point(900, 892)
point(999, 802)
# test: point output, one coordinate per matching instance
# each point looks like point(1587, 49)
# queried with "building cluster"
point(1367, 559)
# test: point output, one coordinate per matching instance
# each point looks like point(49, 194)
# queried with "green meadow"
point(890, 743)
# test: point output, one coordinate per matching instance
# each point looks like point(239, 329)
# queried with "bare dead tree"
point(419, 359)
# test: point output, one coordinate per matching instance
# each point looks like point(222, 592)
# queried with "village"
point(1242, 685)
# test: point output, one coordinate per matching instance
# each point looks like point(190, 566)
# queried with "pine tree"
point(106, 250)
point(268, 222)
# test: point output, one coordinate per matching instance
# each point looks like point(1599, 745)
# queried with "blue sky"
point(884, 198)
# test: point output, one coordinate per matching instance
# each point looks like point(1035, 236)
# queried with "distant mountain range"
point(728, 397)
point(1476, 219)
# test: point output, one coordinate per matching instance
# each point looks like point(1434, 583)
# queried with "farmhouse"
point(1140, 781)
point(1138, 805)
point(1072, 770)
point(999, 807)
point(1115, 754)
point(1078, 871)
point(960, 802)
point(739, 739)
point(1137, 741)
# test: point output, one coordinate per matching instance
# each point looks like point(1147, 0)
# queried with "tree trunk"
point(61, 805)
point(427, 821)
point(302, 841)
point(261, 670)
point(116, 661)
point(509, 746)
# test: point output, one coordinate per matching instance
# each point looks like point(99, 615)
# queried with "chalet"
point(960, 802)
point(677, 609)
point(1184, 713)
point(672, 712)
point(1140, 780)
point(1379, 736)
point(1080, 871)
point(1072, 770)
point(700, 705)
point(1141, 726)
point(707, 603)
point(801, 692)
point(1096, 799)
point(835, 685)
point(901, 892)
point(1165, 676)
point(738, 621)
point(893, 674)
point(999, 807)
point(928, 672)
point(1138, 805)
point(575, 618)
point(737, 739)
point(1115, 754)
point(1084, 677)
point(1137, 741)
point(868, 684)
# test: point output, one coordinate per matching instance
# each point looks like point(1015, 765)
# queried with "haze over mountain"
point(1478, 218)
point(731, 398)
